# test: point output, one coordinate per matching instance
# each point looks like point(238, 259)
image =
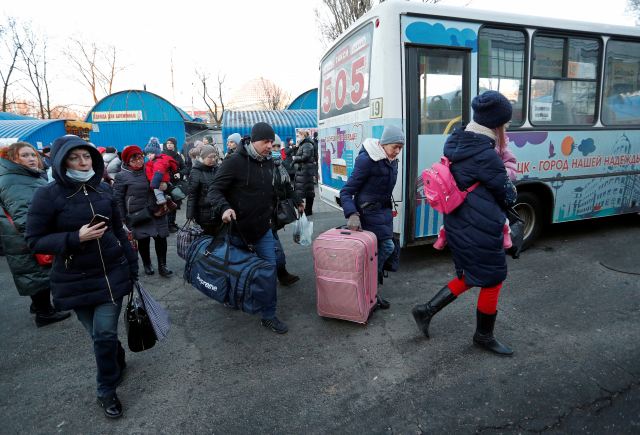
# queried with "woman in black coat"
point(306, 170)
point(290, 151)
point(178, 178)
point(93, 266)
point(198, 206)
point(133, 193)
point(475, 229)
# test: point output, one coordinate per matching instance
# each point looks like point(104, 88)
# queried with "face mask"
point(276, 154)
point(80, 175)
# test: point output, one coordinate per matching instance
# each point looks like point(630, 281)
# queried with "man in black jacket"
point(242, 190)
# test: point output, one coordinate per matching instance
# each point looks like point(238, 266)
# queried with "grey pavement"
point(573, 322)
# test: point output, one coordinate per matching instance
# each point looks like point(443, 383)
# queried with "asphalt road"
point(573, 322)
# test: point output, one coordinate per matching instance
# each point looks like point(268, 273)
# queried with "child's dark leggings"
point(488, 299)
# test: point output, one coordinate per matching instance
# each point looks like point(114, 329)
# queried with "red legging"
point(488, 299)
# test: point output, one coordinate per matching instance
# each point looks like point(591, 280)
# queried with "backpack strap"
point(472, 188)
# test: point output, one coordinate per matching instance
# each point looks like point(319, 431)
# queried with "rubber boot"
point(285, 277)
point(48, 315)
point(484, 335)
point(162, 266)
point(507, 243)
point(442, 240)
point(424, 313)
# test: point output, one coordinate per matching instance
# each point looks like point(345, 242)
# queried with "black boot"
point(162, 266)
point(148, 268)
point(423, 313)
point(48, 315)
point(484, 335)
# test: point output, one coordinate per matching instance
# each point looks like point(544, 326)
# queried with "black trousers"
point(308, 206)
point(144, 248)
point(42, 299)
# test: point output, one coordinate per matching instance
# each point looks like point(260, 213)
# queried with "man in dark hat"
point(242, 191)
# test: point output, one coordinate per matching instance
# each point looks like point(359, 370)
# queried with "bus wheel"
point(530, 210)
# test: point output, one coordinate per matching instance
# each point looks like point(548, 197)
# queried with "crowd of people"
point(69, 215)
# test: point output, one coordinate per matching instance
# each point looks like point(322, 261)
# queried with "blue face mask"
point(276, 155)
point(80, 176)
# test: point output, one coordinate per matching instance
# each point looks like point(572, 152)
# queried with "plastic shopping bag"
point(303, 231)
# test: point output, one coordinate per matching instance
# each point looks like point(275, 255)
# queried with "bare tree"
point(633, 9)
point(335, 16)
point(95, 64)
point(275, 98)
point(215, 104)
point(10, 34)
point(34, 56)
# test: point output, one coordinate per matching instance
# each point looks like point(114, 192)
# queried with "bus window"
point(621, 94)
point(501, 66)
point(440, 91)
point(563, 90)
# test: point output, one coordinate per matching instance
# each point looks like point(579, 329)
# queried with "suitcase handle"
point(344, 227)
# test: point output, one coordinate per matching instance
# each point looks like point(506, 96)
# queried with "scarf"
point(80, 176)
point(277, 161)
point(253, 153)
point(474, 127)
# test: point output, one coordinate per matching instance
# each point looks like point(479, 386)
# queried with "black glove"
point(133, 276)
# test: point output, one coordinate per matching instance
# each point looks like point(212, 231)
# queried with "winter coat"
point(17, 186)
point(510, 163)
point(83, 273)
point(244, 184)
point(112, 163)
point(368, 190)
point(198, 204)
point(184, 150)
point(306, 169)
point(290, 152)
point(282, 191)
point(133, 193)
point(159, 170)
point(474, 229)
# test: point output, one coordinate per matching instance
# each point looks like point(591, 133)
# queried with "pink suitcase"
point(346, 267)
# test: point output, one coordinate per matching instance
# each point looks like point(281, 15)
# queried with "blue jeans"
point(265, 248)
point(101, 321)
point(385, 249)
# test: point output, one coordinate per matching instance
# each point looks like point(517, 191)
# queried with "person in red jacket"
point(159, 169)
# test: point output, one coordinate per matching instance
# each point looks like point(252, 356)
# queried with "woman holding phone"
point(94, 265)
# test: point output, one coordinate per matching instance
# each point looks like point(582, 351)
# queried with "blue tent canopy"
point(306, 100)
point(38, 132)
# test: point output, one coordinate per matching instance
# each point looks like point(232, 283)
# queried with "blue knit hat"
point(491, 109)
point(392, 134)
point(153, 147)
point(235, 137)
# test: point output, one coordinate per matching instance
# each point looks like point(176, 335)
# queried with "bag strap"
point(472, 188)
point(10, 220)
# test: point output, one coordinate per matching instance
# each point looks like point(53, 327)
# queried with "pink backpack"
point(441, 189)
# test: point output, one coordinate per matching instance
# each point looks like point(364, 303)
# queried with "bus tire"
point(529, 208)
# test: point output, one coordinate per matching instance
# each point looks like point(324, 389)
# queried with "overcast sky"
point(244, 39)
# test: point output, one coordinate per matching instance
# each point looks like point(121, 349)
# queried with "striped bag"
point(189, 233)
point(159, 318)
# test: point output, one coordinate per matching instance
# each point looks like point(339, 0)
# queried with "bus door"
point(438, 87)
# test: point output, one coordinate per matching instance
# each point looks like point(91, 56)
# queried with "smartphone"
point(97, 219)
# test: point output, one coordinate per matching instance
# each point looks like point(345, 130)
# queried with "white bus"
point(574, 86)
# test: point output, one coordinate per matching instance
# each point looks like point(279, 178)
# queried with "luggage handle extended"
point(345, 227)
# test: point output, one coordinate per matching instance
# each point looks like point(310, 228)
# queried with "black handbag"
point(139, 217)
point(286, 212)
point(517, 233)
point(140, 333)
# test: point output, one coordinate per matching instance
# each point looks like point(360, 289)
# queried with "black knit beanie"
point(262, 131)
point(491, 109)
point(173, 140)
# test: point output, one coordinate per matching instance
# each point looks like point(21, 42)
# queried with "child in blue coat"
point(366, 197)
